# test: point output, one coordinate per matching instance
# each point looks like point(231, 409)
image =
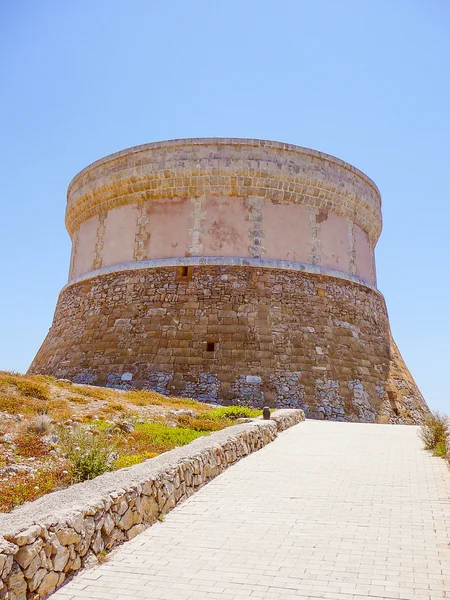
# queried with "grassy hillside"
point(54, 433)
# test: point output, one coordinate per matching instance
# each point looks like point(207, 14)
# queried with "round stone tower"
point(232, 271)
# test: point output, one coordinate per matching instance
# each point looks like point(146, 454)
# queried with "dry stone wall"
point(236, 334)
point(47, 541)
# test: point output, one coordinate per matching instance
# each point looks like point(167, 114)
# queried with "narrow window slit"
point(210, 346)
point(392, 397)
point(184, 273)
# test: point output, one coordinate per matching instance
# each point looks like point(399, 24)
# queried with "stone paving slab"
point(340, 511)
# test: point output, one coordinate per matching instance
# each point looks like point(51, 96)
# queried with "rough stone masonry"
point(234, 271)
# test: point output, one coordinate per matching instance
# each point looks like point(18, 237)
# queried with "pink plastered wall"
point(287, 231)
point(364, 255)
point(83, 258)
point(168, 228)
point(225, 226)
point(335, 244)
point(119, 236)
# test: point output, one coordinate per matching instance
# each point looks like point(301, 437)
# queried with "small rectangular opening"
point(392, 396)
point(210, 346)
point(184, 273)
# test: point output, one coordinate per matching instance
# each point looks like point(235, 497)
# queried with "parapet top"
point(226, 142)
point(224, 167)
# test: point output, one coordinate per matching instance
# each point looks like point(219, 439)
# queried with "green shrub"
point(157, 433)
point(440, 450)
point(133, 459)
point(433, 433)
point(232, 412)
point(158, 437)
point(89, 455)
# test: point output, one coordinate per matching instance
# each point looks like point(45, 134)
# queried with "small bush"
point(102, 556)
point(89, 455)
point(433, 433)
point(440, 450)
point(39, 425)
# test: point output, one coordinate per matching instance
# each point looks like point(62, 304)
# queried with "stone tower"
point(233, 271)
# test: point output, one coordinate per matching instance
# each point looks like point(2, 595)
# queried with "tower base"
point(235, 335)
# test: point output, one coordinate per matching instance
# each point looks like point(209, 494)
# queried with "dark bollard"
point(266, 413)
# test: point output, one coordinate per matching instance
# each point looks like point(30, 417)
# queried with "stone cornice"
point(224, 167)
point(208, 261)
point(221, 141)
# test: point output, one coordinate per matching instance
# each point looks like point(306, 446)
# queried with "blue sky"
point(366, 81)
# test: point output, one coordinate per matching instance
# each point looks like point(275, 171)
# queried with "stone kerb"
point(48, 540)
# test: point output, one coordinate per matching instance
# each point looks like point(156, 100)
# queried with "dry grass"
point(14, 404)
point(33, 386)
point(25, 487)
point(31, 445)
point(203, 424)
point(127, 428)
point(91, 391)
point(150, 398)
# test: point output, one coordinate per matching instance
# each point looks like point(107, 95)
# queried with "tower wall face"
point(234, 271)
point(230, 198)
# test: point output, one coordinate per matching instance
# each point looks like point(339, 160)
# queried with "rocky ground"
point(54, 432)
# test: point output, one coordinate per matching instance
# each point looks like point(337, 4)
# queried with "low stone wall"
point(287, 418)
point(48, 540)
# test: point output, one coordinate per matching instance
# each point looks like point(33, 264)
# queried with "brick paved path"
point(330, 510)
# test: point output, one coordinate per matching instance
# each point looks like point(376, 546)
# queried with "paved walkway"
point(340, 511)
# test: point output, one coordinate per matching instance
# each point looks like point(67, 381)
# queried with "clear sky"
point(365, 80)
